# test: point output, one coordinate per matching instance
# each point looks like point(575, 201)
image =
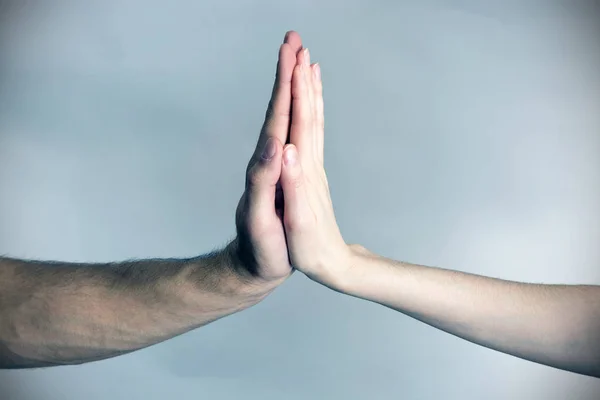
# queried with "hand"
point(315, 244)
point(260, 249)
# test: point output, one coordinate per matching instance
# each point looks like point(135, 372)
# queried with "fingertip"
point(286, 62)
point(290, 155)
point(278, 147)
point(293, 39)
point(270, 157)
point(303, 60)
point(301, 56)
point(287, 36)
point(286, 49)
point(316, 68)
point(265, 170)
point(288, 146)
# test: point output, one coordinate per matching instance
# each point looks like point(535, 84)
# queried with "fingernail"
point(317, 71)
point(306, 57)
point(287, 35)
point(289, 157)
point(269, 150)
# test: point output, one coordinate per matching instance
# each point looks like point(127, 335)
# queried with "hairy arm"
point(555, 325)
point(65, 313)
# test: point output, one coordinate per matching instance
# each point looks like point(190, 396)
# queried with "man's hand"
point(314, 241)
point(54, 313)
point(260, 249)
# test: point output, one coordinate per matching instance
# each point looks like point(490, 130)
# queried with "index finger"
point(277, 118)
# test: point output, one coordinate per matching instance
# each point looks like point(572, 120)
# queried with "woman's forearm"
point(555, 325)
point(66, 313)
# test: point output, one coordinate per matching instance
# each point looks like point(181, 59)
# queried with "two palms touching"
point(273, 239)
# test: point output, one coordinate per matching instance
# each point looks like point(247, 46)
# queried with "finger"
point(308, 75)
point(319, 114)
point(293, 39)
point(277, 117)
point(297, 213)
point(261, 181)
point(301, 111)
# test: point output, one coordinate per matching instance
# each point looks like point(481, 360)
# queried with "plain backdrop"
point(462, 134)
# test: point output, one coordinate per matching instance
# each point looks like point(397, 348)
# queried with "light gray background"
point(463, 134)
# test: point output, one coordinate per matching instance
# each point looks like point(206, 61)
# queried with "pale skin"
point(54, 313)
point(555, 325)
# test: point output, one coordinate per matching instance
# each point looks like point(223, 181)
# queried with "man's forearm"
point(66, 313)
point(556, 325)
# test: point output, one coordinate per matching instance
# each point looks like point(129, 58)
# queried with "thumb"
point(261, 182)
point(297, 211)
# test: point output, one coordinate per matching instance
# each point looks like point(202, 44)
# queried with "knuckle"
point(275, 114)
point(253, 177)
point(295, 182)
point(294, 179)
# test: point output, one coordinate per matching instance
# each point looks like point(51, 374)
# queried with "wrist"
point(335, 271)
point(349, 272)
point(215, 280)
point(243, 273)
